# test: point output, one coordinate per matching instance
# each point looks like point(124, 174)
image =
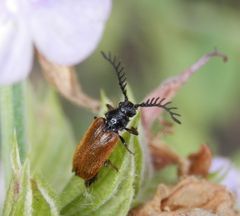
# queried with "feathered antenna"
point(156, 102)
point(119, 71)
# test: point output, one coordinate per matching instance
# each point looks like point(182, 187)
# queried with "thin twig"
point(199, 64)
point(171, 86)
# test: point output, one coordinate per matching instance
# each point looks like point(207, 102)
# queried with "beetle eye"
point(131, 112)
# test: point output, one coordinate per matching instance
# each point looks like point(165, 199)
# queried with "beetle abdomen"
point(94, 149)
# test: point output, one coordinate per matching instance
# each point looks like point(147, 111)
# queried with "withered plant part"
point(197, 163)
point(64, 79)
point(200, 162)
point(170, 87)
point(189, 196)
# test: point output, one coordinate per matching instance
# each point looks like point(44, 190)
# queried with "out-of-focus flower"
point(64, 31)
point(229, 175)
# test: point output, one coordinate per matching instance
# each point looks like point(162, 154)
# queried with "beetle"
point(102, 136)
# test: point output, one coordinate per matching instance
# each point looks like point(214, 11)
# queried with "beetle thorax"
point(117, 119)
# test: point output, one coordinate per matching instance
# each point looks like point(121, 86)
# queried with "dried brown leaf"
point(64, 79)
point(190, 197)
point(162, 155)
point(196, 164)
point(170, 87)
point(153, 207)
point(198, 193)
point(200, 162)
point(185, 212)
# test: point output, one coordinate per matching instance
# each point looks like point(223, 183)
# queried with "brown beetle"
point(103, 134)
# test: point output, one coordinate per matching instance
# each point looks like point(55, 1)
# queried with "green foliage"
point(37, 178)
point(26, 195)
point(51, 139)
point(47, 134)
point(113, 192)
point(13, 118)
point(165, 39)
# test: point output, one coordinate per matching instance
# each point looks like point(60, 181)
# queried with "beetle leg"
point(125, 144)
point(109, 163)
point(109, 107)
point(132, 130)
point(90, 181)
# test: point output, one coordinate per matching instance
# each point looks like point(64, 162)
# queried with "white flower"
point(229, 175)
point(64, 31)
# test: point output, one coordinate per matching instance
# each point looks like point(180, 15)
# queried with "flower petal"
point(231, 175)
point(15, 50)
point(67, 31)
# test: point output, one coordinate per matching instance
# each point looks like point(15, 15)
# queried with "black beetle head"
point(127, 108)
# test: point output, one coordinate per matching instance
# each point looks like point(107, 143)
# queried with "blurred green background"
point(155, 40)
point(159, 39)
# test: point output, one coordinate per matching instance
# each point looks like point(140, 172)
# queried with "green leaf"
point(104, 100)
point(44, 200)
point(11, 196)
point(6, 118)
point(12, 192)
point(113, 192)
point(91, 199)
point(13, 118)
point(119, 203)
point(15, 157)
point(45, 129)
point(138, 159)
point(23, 204)
point(19, 114)
point(52, 143)
point(27, 196)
